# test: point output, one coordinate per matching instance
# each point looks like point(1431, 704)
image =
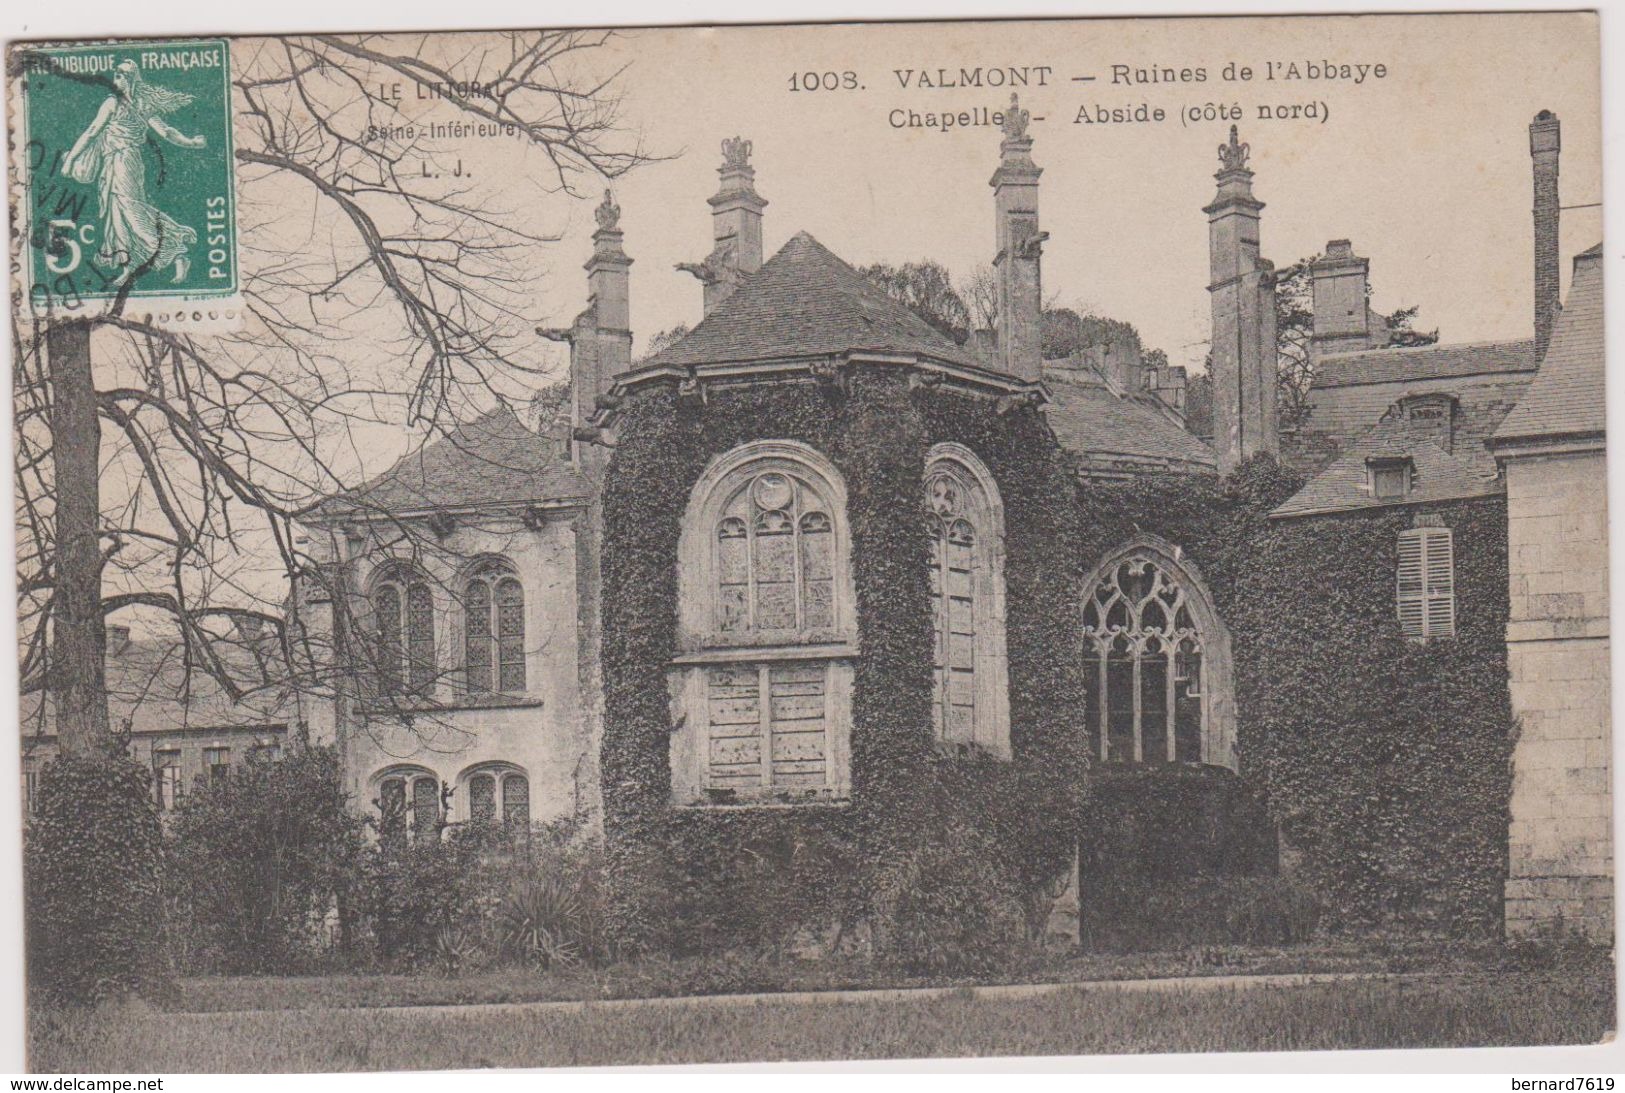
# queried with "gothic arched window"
point(408, 804)
point(493, 628)
point(965, 521)
point(762, 680)
point(1157, 663)
point(497, 793)
point(403, 610)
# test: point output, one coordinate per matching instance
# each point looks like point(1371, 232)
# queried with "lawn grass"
point(1451, 1010)
point(653, 977)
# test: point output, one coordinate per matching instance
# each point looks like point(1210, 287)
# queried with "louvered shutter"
point(1440, 592)
point(1412, 611)
point(1426, 588)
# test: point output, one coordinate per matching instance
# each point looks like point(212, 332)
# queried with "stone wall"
point(1561, 867)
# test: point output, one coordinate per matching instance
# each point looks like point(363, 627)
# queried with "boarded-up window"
point(769, 726)
point(970, 701)
point(1427, 583)
point(774, 562)
point(767, 608)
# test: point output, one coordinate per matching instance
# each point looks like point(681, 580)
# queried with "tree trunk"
point(76, 683)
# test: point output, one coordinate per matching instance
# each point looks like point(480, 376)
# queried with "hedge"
point(92, 860)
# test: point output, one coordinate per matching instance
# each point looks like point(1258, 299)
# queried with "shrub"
point(414, 891)
point(260, 860)
point(92, 856)
point(485, 895)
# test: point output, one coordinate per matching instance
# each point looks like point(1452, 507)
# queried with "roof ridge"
point(1432, 346)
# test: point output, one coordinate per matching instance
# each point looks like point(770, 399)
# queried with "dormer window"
point(1390, 478)
point(1433, 413)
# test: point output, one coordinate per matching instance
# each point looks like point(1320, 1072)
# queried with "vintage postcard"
point(1066, 537)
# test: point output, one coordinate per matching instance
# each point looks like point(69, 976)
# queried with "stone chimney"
point(600, 339)
point(736, 226)
point(1020, 244)
point(1242, 292)
point(1338, 286)
point(602, 347)
point(1545, 142)
point(1168, 384)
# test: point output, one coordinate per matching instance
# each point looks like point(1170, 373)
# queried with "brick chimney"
point(1545, 142)
point(1242, 292)
point(1020, 244)
point(1338, 296)
point(736, 226)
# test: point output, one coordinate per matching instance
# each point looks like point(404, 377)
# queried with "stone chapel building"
point(753, 576)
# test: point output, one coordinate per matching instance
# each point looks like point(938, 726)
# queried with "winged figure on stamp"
point(135, 234)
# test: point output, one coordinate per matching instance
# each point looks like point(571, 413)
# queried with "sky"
point(1426, 169)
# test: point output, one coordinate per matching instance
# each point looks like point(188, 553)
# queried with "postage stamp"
point(127, 166)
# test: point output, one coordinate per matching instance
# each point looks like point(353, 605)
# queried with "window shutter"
point(1426, 589)
point(1439, 556)
point(1412, 612)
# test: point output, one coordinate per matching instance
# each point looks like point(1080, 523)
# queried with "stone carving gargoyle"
point(1233, 156)
point(718, 265)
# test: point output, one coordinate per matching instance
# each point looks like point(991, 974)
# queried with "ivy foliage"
point(906, 797)
point(92, 859)
point(1384, 762)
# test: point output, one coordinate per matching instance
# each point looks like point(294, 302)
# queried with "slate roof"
point(1094, 422)
point(1566, 397)
point(148, 692)
point(491, 460)
point(805, 302)
point(1424, 362)
point(1438, 475)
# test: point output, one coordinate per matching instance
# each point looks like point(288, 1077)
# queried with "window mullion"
point(764, 721)
point(1105, 705)
point(797, 576)
point(1137, 651)
point(1168, 701)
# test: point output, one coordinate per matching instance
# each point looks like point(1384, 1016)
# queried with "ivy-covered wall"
point(708, 873)
point(1385, 762)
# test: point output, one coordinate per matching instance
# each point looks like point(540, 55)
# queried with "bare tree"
point(381, 291)
point(927, 289)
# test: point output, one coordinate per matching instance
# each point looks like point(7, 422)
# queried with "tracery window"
point(1149, 633)
point(970, 701)
point(409, 805)
point(494, 793)
point(403, 607)
point(493, 629)
point(763, 674)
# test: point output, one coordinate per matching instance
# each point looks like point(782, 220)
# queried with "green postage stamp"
point(127, 158)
